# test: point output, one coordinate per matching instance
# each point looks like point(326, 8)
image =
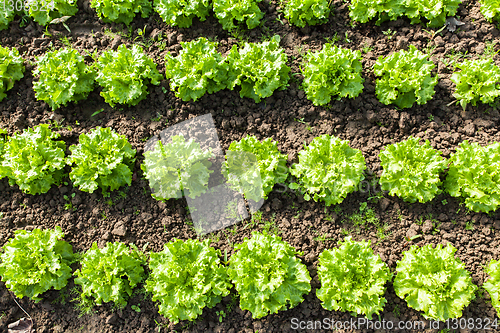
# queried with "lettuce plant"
point(103, 159)
point(110, 274)
point(493, 283)
point(352, 279)
point(248, 11)
point(405, 78)
point(121, 11)
point(177, 167)
point(267, 275)
point(124, 75)
point(490, 9)
point(259, 68)
point(333, 71)
point(328, 170)
point(36, 261)
point(63, 78)
point(181, 12)
point(3, 141)
point(433, 281)
point(434, 12)
point(197, 69)
point(310, 12)
point(269, 162)
point(411, 171)
point(11, 69)
point(186, 277)
point(7, 14)
point(44, 11)
point(34, 160)
point(478, 80)
point(474, 175)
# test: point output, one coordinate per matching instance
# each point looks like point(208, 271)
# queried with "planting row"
point(327, 170)
point(228, 12)
point(188, 276)
point(405, 77)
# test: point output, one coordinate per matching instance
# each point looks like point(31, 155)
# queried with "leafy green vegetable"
point(474, 175)
point(36, 261)
point(7, 14)
point(11, 69)
point(121, 11)
point(311, 12)
point(259, 68)
point(490, 9)
point(247, 11)
point(433, 281)
point(434, 12)
point(197, 69)
point(44, 11)
point(333, 71)
point(270, 163)
point(125, 74)
point(186, 277)
point(180, 166)
point(103, 159)
point(352, 279)
point(63, 77)
point(405, 78)
point(411, 171)
point(110, 274)
point(493, 283)
point(181, 12)
point(34, 160)
point(478, 80)
point(267, 275)
point(328, 170)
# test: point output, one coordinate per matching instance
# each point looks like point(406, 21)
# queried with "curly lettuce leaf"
point(478, 80)
point(186, 277)
point(405, 78)
point(110, 274)
point(267, 275)
point(103, 159)
point(63, 78)
point(411, 171)
point(328, 170)
point(333, 71)
point(474, 175)
point(3, 141)
point(433, 281)
point(310, 12)
point(246, 11)
point(181, 12)
point(7, 14)
point(198, 69)
point(269, 162)
point(490, 9)
point(11, 69)
point(493, 283)
point(121, 11)
point(124, 75)
point(352, 279)
point(180, 166)
point(259, 68)
point(36, 261)
point(44, 11)
point(34, 160)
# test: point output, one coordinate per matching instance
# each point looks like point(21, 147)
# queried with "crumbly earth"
point(308, 226)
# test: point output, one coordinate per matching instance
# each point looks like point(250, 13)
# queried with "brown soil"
point(364, 121)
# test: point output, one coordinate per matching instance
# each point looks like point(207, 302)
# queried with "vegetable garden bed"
point(132, 215)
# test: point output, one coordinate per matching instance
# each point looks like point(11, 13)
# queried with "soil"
point(368, 124)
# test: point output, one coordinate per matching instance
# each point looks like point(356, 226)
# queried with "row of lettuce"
point(188, 276)
point(328, 169)
point(231, 13)
point(404, 78)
